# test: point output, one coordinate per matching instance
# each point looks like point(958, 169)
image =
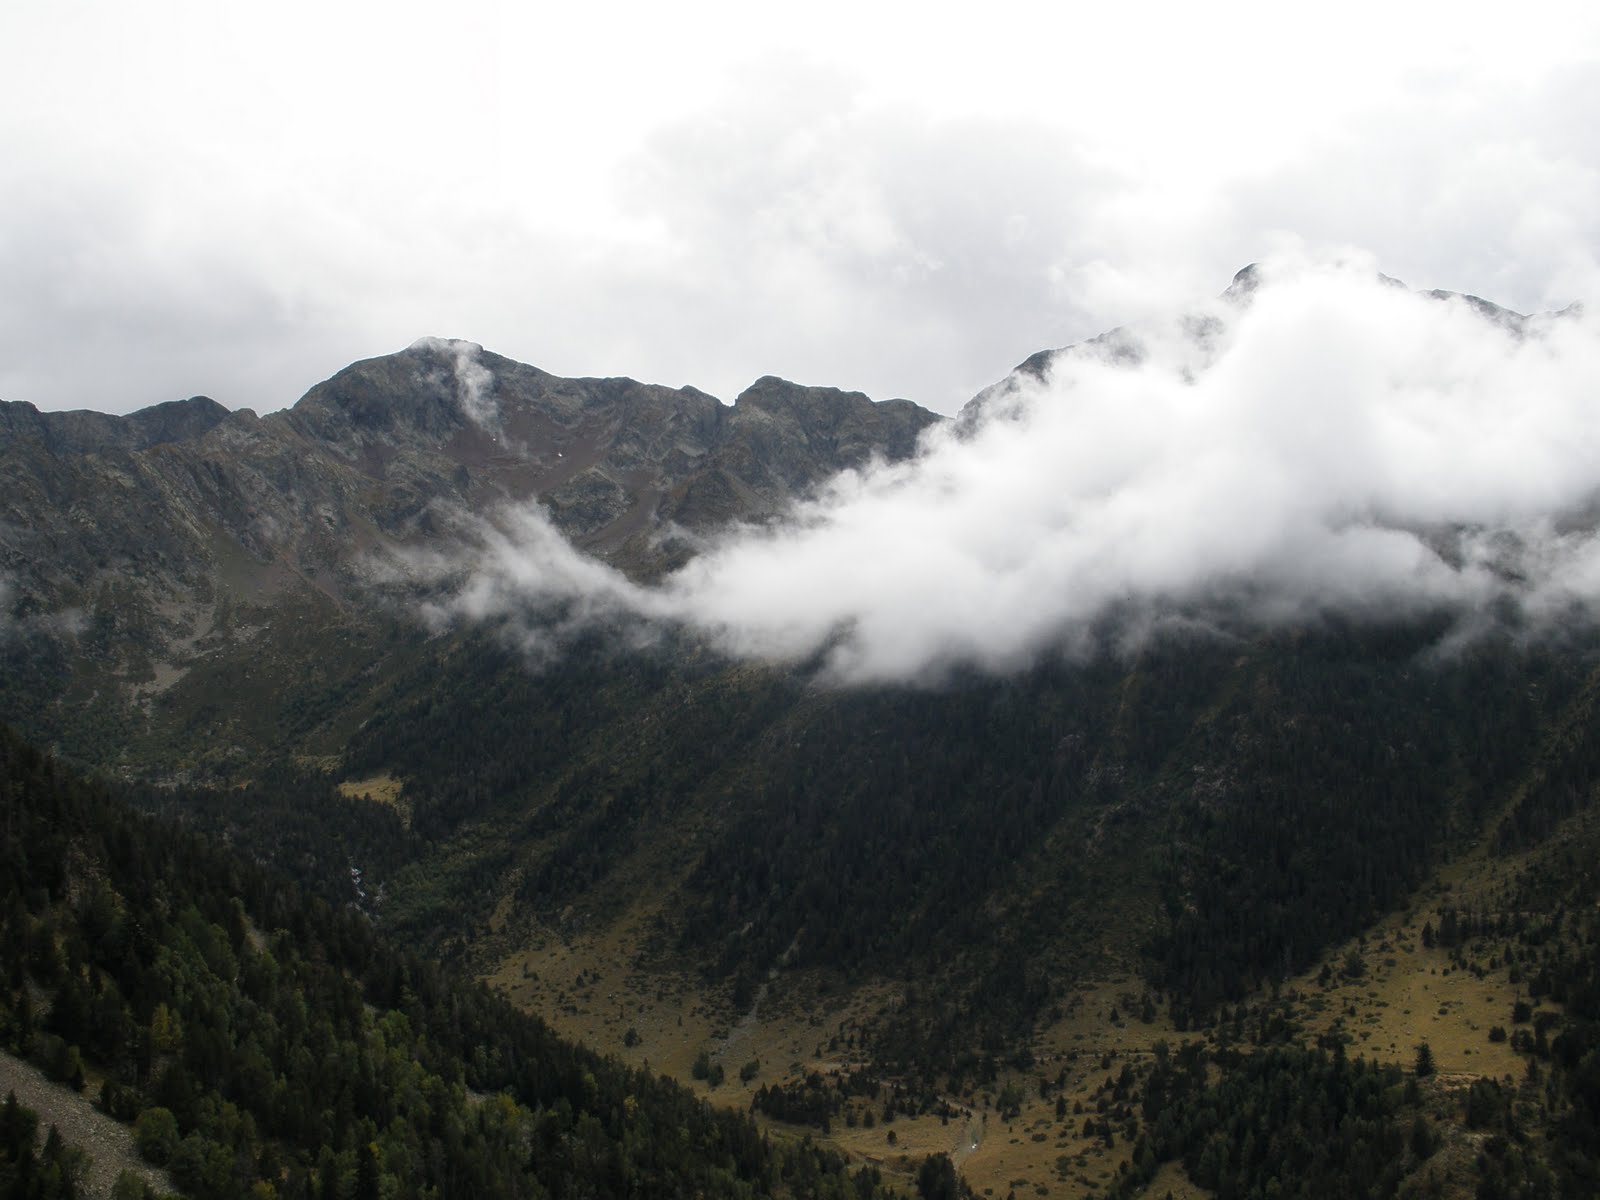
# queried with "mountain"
point(1018, 918)
point(164, 496)
point(157, 553)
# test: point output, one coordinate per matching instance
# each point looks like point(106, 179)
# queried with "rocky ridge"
point(142, 546)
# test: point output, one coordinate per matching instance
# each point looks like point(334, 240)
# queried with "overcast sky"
point(238, 199)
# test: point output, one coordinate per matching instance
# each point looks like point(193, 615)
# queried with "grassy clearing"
point(598, 988)
point(382, 788)
point(1408, 993)
point(1044, 1150)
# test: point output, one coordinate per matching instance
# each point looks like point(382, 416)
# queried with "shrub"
point(155, 1133)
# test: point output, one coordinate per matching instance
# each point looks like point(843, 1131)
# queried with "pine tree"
point(1425, 1066)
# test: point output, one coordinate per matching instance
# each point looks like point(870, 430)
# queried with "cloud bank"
point(1324, 442)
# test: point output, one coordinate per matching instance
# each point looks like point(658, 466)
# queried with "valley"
point(598, 990)
point(1167, 904)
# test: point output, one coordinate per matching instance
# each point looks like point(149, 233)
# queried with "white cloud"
point(1336, 444)
point(66, 622)
point(472, 382)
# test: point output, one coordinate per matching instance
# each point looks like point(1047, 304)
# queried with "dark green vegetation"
point(1545, 932)
point(1276, 796)
point(849, 1095)
point(1285, 1119)
point(264, 1039)
point(980, 840)
point(1281, 1122)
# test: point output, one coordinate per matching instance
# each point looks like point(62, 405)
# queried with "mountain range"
point(966, 899)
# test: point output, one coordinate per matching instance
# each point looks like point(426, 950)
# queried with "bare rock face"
point(372, 453)
point(614, 461)
point(180, 531)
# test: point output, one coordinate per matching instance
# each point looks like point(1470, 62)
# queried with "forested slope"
point(266, 1042)
point(1232, 806)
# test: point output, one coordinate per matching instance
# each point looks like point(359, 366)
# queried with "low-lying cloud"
point(20, 623)
point(1326, 442)
point(470, 380)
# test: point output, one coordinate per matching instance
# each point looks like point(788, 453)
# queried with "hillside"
point(262, 1042)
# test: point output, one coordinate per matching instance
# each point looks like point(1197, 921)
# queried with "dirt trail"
point(973, 1127)
point(108, 1143)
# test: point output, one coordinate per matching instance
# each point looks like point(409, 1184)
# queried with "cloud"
point(903, 210)
point(19, 622)
point(521, 573)
point(473, 382)
point(914, 255)
point(107, 302)
point(1492, 189)
point(1329, 442)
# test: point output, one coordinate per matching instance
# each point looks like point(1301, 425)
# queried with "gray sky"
point(239, 199)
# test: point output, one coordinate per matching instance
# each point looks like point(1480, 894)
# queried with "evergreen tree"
point(1424, 1063)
